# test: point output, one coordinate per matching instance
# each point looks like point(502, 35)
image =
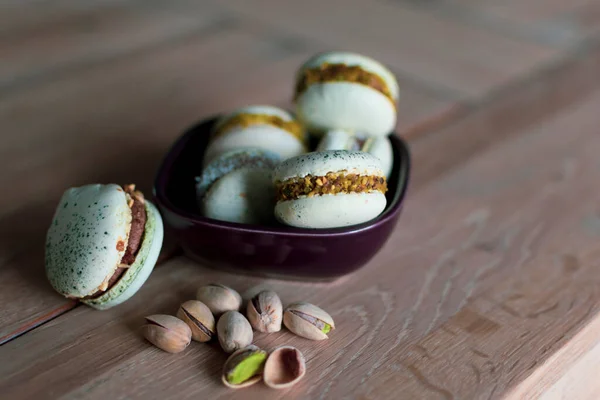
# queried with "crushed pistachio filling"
point(331, 183)
point(247, 368)
point(246, 120)
point(342, 73)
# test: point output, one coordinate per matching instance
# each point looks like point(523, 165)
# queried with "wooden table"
point(488, 288)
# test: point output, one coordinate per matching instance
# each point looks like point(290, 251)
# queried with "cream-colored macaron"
point(263, 127)
point(88, 254)
point(379, 146)
point(342, 90)
point(329, 189)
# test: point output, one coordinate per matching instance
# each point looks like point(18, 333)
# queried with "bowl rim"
point(163, 201)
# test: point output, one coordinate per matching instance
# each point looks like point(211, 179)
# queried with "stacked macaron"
point(258, 163)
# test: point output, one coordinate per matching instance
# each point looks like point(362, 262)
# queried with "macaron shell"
point(140, 270)
point(230, 161)
point(323, 162)
point(87, 238)
point(245, 196)
point(266, 137)
point(345, 105)
point(336, 140)
point(367, 63)
point(381, 147)
point(331, 211)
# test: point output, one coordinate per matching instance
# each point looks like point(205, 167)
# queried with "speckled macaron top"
point(323, 162)
point(87, 238)
point(230, 161)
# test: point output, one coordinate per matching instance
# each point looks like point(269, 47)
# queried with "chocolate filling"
point(136, 233)
point(342, 73)
point(331, 183)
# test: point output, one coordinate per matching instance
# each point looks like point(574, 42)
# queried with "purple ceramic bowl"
point(270, 251)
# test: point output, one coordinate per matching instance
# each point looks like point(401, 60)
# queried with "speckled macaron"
point(379, 146)
point(102, 244)
point(341, 90)
point(245, 196)
point(329, 189)
point(230, 161)
point(265, 127)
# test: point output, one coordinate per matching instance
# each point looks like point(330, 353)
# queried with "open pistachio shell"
point(219, 298)
point(167, 333)
point(265, 312)
point(244, 367)
point(308, 321)
point(284, 367)
point(234, 331)
point(199, 318)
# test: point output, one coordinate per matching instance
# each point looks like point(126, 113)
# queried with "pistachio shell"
point(307, 320)
point(199, 318)
point(167, 333)
point(265, 312)
point(234, 331)
point(284, 367)
point(236, 360)
point(219, 298)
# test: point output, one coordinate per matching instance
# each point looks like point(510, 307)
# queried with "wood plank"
point(495, 235)
point(114, 122)
point(81, 39)
point(466, 60)
point(553, 23)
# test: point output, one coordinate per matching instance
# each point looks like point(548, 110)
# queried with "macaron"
point(379, 146)
point(244, 195)
point(342, 90)
point(264, 127)
point(329, 189)
point(102, 244)
point(230, 161)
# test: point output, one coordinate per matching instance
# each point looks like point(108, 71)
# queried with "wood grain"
point(465, 60)
point(470, 298)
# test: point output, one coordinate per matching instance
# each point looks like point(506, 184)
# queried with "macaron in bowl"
point(102, 244)
point(264, 127)
point(379, 146)
point(329, 189)
point(342, 90)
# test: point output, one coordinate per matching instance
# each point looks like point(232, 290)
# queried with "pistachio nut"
point(199, 318)
point(167, 333)
point(308, 321)
point(244, 367)
point(234, 331)
point(219, 298)
point(284, 367)
point(265, 312)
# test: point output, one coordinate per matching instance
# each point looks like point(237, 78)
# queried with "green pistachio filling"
point(247, 368)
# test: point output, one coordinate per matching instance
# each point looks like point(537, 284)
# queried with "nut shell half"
point(284, 367)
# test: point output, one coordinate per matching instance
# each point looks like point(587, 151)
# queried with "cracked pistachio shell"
point(167, 333)
point(199, 318)
point(284, 367)
point(244, 367)
point(265, 312)
point(219, 298)
point(308, 321)
point(234, 331)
